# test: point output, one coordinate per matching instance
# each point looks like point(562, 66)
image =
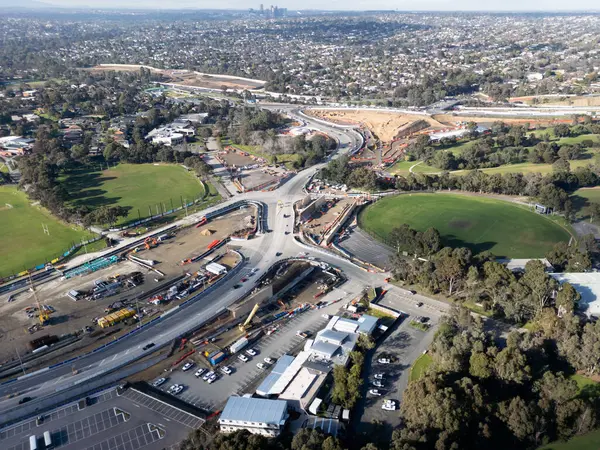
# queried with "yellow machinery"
point(44, 314)
point(243, 326)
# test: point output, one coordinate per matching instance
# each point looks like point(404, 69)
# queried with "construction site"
point(249, 172)
point(288, 289)
point(81, 308)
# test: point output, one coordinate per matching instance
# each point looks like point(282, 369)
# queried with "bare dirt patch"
point(384, 124)
point(452, 120)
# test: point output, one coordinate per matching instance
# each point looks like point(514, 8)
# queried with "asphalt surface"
point(363, 246)
point(260, 253)
point(128, 422)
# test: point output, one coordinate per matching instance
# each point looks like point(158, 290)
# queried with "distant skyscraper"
point(262, 9)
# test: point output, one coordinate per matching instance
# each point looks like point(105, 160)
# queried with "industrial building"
point(257, 415)
point(298, 380)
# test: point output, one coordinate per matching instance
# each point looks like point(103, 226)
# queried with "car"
point(25, 400)
point(384, 361)
point(226, 370)
point(325, 316)
point(243, 358)
point(419, 304)
point(278, 254)
point(378, 376)
point(268, 360)
point(287, 232)
point(237, 286)
point(261, 366)
point(177, 389)
point(207, 375)
point(148, 346)
point(11, 298)
point(251, 352)
point(212, 378)
point(187, 366)
point(378, 384)
point(159, 382)
point(256, 269)
point(375, 392)
point(243, 280)
point(389, 405)
point(199, 372)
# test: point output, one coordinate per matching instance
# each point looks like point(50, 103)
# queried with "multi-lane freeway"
point(259, 253)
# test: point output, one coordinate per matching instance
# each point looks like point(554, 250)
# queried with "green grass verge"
point(589, 441)
point(480, 223)
point(24, 244)
point(419, 325)
point(420, 366)
point(139, 187)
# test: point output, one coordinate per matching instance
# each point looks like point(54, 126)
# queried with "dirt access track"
point(384, 124)
point(188, 77)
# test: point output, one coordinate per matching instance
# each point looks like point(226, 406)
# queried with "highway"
point(259, 253)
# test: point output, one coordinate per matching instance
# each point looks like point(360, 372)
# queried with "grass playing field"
point(589, 441)
point(23, 242)
point(582, 199)
point(138, 187)
point(506, 229)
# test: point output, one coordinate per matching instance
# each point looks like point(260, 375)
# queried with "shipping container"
point(238, 345)
point(116, 317)
point(216, 359)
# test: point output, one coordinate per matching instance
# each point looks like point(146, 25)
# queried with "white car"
point(176, 389)
point(268, 361)
point(389, 405)
point(375, 392)
point(199, 372)
point(226, 370)
point(378, 376)
point(207, 375)
point(261, 366)
point(251, 352)
point(212, 378)
point(325, 316)
point(187, 366)
point(159, 382)
point(384, 361)
point(243, 358)
point(378, 384)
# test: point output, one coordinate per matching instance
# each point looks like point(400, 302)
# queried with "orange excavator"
point(150, 242)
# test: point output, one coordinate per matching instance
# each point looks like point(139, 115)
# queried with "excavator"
point(243, 327)
point(150, 242)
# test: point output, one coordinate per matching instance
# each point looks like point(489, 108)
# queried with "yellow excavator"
point(243, 326)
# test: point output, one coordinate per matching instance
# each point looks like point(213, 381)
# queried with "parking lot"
point(246, 375)
point(403, 346)
point(109, 422)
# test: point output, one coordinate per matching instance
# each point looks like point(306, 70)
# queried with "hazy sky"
point(407, 5)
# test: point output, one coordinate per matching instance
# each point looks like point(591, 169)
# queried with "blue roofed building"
point(257, 415)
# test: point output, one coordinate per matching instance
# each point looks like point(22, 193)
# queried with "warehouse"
point(257, 415)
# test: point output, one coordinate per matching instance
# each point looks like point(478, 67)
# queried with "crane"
point(243, 326)
point(44, 316)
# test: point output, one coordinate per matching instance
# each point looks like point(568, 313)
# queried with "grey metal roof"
point(265, 387)
point(367, 324)
point(332, 335)
point(325, 348)
point(255, 410)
